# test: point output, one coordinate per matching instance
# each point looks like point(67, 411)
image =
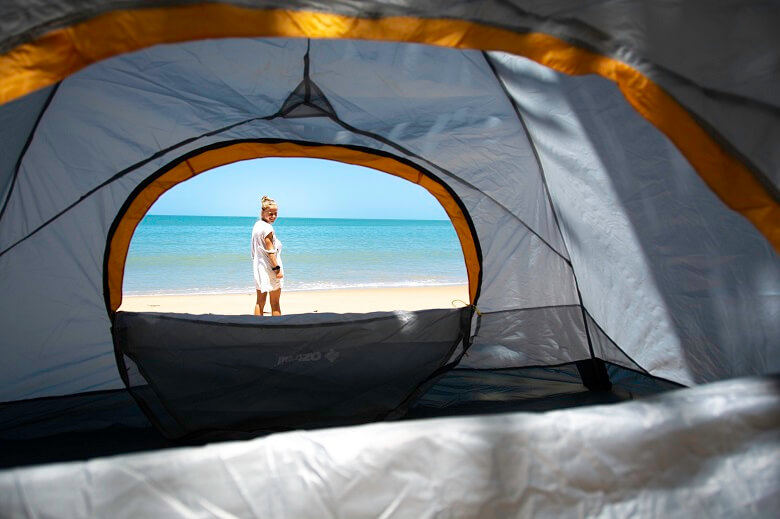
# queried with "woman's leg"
point(275, 295)
point(260, 302)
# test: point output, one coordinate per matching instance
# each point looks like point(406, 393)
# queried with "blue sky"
point(312, 188)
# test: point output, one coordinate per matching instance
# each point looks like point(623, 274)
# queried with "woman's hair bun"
point(266, 202)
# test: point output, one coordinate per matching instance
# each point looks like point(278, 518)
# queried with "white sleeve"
point(264, 229)
point(253, 244)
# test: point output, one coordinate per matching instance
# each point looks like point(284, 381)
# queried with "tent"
point(720, 461)
point(610, 168)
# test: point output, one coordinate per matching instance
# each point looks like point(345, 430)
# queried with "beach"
point(201, 265)
point(360, 300)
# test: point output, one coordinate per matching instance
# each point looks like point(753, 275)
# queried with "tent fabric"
point(740, 174)
point(647, 212)
point(218, 372)
point(46, 417)
point(466, 391)
point(629, 25)
point(22, 116)
point(68, 192)
point(605, 348)
point(498, 229)
point(705, 451)
point(106, 423)
point(529, 337)
point(612, 174)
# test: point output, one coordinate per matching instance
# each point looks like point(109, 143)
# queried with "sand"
point(308, 301)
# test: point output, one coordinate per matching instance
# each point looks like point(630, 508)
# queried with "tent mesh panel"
point(196, 375)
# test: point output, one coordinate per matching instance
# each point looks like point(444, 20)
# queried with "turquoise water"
point(210, 254)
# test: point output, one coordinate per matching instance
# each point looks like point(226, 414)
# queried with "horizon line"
point(302, 217)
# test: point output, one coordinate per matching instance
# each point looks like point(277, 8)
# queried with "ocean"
point(211, 254)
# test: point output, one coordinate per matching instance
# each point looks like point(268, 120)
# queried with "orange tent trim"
point(56, 55)
point(128, 221)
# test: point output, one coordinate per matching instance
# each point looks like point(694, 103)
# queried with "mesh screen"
point(210, 373)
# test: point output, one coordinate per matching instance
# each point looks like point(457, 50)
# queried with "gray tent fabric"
point(727, 73)
point(18, 120)
point(707, 451)
point(540, 279)
point(450, 93)
point(530, 337)
point(605, 348)
point(98, 108)
point(515, 200)
point(606, 259)
point(215, 372)
point(661, 246)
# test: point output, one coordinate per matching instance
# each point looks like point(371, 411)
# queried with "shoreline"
point(343, 300)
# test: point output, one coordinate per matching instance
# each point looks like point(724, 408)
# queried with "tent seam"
point(152, 417)
point(26, 146)
point(306, 78)
point(547, 192)
point(132, 168)
point(533, 148)
point(570, 363)
point(572, 305)
point(599, 327)
point(449, 174)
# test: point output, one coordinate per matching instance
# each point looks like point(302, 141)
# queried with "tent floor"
point(51, 433)
point(706, 451)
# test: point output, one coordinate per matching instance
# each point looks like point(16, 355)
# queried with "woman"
point(266, 258)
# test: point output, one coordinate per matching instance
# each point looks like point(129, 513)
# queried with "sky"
point(309, 188)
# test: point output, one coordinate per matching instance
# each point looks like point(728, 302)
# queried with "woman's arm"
point(268, 241)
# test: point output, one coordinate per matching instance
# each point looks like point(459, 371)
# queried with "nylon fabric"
point(752, 129)
point(629, 24)
point(727, 175)
point(143, 95)
point(447, 107)
point(667, 272)
point(46, 417)
point(479, 391)
point(80, 357)
point(540, 277)
point(635, 458)
point(241, 373)
point(17, 120)
point(606, 349)
point(56, 334)
point(532, 337)
point(655, 126)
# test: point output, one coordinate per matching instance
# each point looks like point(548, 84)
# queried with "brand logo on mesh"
point(331, 356)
